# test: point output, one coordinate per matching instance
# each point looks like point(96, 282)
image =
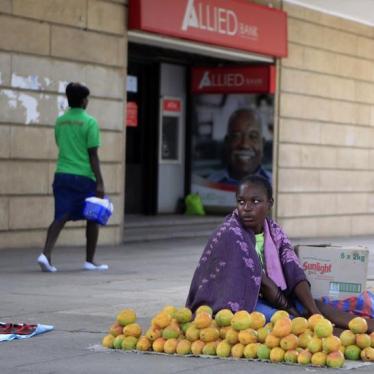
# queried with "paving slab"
point(82, 305)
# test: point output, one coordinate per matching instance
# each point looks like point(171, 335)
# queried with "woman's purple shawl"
point(228, 274)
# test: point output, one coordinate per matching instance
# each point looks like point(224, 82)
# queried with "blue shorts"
point(70, 191)
point(267, 310)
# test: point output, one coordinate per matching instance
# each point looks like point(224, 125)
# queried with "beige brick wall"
point(44, 44)
point(325, 183)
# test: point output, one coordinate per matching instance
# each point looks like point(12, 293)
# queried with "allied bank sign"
point(237, 79)
point(235, 24)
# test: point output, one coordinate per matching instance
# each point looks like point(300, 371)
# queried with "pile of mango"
point(243, 335)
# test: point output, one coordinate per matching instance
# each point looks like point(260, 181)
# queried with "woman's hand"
point(274, 296)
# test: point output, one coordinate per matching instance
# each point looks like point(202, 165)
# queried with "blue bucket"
point(98, 210)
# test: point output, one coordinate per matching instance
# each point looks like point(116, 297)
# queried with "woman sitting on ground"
point(249, 264)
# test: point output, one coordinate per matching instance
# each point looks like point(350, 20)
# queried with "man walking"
point(77, 176)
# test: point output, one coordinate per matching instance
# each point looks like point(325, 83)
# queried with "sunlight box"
point(333, 270)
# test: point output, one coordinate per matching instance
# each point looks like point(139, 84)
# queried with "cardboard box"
point(333, 270)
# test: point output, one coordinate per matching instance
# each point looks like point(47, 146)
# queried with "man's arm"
point(95, 165)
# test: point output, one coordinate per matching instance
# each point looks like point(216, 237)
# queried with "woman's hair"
point(76, 93)
point(258, 181)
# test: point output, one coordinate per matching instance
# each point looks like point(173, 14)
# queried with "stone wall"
point(44, 44)
point(325, 155)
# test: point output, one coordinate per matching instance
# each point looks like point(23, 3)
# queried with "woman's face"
point(253, 206)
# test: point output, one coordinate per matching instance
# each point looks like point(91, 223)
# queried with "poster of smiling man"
point(232, 119)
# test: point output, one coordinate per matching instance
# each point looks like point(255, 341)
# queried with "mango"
point(132, 329)
point(347, 337)
point(277, 354)
point(272, 341)
point(278, 315)
point(304, 357)
point(170, 346)
point(117, 342)
point(224, 317)
point(204, 308)
point(289, 342)
point(331, 344)
point(126, 316)
point(241, 320)
point(335, 360)
point(129, 343)
point(367, 354)
point(299, 325)
point(363, 340)
point(247, 336)
point(352, 352)
point(209, 334)
point(318, 359)
point(107, 341)
point(282, 327)
point(223, 349)
point(202, 320)
point(313, 319)
point(358, 325)
point(116, 329)
point(158, 345)
point(197, 347)
point(232, 336)
point(143, 344)
point(210, 349)
point(256, 320)
point(263, 352)
point(323, 328)
point(250, 350)
point(183, 315)
point(237, 350)
point(161, 320)
point(315, 345)
point(193, 333)
point(291, 356)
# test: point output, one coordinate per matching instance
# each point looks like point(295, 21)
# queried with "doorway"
point(141, 182)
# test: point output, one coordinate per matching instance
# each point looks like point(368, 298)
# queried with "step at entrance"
point(139, 228)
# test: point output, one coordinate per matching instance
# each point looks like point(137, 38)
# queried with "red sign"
point(172, 105)
point(131, 114)
point(248, 79)
point(235, 24)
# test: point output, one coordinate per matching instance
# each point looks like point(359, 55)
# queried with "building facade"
point(323, 116)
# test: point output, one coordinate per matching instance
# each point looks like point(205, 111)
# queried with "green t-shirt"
point(260, 247)
point(75, 132)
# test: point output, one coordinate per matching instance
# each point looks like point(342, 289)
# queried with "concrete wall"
point(325, 134)
point(44, 44)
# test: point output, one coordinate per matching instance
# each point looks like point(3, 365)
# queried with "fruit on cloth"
point(347, 337)
point(129, 343)
point(323, 328)
point(241, 320)
point(223, 349)
point(107, 341)
point(170, 346)
point(282, 327)
point(318, 359)
point(197, 347)
point(133, 329)
point(352, 352)
point(358, 325)
point(256, 320)
point(202, 320)
point(204, 308)
point(331, 344)
point(183, 315)
point(335, 359)
point(367, 354)
point(277, 354)
point(126, 316)
point(313, 319)
point(299, 325)
point(279, 314)
point(224, 317)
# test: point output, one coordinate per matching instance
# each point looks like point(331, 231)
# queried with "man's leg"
point(52, 235)
point(92, 234)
